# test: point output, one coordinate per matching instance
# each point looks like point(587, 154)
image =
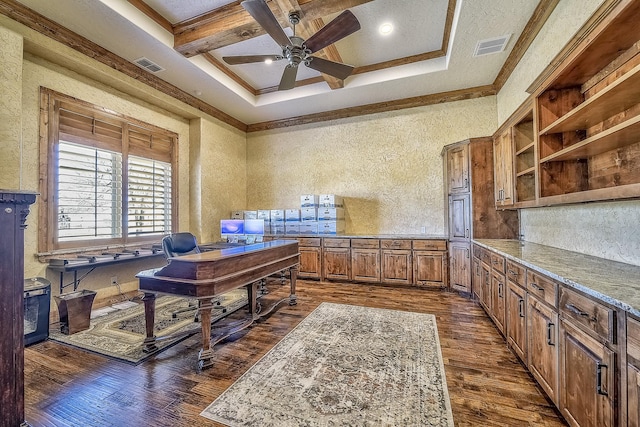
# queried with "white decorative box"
point(292, 215)
point(330, 201)
point(250, 214)
point(308, 214)
point(330, 227)
point(237, 215)
point(309, 227)
point(264, 214)
point(292, 228)
point(277, 215)
point(309, 201)
point(278, 228)
point(330, 214)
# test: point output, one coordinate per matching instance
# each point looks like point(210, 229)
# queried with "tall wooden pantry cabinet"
point(14, 208)
point(470, 205)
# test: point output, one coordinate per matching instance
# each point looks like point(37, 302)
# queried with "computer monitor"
point(232, 228)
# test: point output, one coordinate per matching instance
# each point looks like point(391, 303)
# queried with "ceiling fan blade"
point(346, 23)
point(288, 80)
point(335, 69)
point(259, 10)
point(247, 59)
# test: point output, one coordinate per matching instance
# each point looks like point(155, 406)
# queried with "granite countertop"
point(615, 283)
point(364, 236)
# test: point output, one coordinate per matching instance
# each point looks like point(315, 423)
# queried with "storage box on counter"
point(330, 227)
point(277, 227)
point(264, 214)
point(308, 214)
point(330, 214)
point(277, 215)
point(330, 201)
point(309, 201)
point(292, 227)
point(292, 215)
point(309, 227)
point(237, 215)
point(250, 214)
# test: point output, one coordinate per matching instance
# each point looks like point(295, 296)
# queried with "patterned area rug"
point(344, 365)
point(120, 334)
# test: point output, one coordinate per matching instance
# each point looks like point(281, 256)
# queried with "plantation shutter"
point(149, 207)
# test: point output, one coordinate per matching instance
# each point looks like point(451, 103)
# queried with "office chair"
point(179, 244)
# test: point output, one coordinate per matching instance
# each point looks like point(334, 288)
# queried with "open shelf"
point(615, 98)
point(525, 148)
point(531, 170)
point(619, 136)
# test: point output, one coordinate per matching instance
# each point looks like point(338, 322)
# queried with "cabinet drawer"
point(544, 288)
point(309, 241)
point(395, 244)
point(430, 245)
point(516, 273)
point(633, 338)
point(486, 256)
point(337, 243)
point(497, 263)
point(365, 243)
point(588, 313)
point(477, 252)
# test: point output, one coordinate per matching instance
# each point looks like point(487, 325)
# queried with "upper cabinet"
point(503, 168)
point(577, 138)
point(458, 167)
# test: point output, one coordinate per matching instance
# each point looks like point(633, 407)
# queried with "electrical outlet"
point(423, 230)
point(114, 280)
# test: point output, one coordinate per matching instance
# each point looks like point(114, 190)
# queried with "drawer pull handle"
point(521, 307)
point(549, 326)
point(513, 273)
point(536, 287)
point(580, 312)
point(599, 389)
point(500, 292)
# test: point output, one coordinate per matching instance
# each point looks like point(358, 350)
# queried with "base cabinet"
point(460, 262)
point(337, 263)
point(587, 379)
point(396, 266)
point(542, 327)
point(498, 304)
point(517, 320)
point(430, 269)
point(365, 265)
point(310, 258)
point(633, 372)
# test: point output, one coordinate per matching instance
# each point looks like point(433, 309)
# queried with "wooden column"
point(14, 208)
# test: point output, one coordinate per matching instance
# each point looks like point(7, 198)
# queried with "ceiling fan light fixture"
point(386, 28)
point(268, 61)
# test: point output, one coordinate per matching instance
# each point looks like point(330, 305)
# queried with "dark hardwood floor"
point(65, 386)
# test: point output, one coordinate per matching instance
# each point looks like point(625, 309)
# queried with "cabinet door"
point(337, 263)
point(517, 320)
point(460, 262)
point(542, 325)
point(310, 262)
point(486, 288)
point(476, 282)
point(429, 269)
point(498, 308)
point(396, 266)
point(458, 169)
point(459, 217)
point(503, 169)
point(365, 265)
point(633, 372)
point(587, 385)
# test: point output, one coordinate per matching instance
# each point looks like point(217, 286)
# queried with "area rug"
point(120, 334)
point(344, 365)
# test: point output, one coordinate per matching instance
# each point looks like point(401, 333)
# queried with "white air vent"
point(489, 46)
point(148, 65)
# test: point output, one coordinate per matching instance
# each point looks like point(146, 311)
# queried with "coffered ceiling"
point(428, 57)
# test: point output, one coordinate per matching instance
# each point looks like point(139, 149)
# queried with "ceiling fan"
point(295, 49)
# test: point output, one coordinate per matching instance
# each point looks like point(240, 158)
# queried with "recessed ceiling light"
point(386, 28)
point(268, 61)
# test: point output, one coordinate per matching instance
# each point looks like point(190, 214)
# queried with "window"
point(110, 179)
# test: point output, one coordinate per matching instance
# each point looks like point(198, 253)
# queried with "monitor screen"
point(231, 226)
point(254, 226)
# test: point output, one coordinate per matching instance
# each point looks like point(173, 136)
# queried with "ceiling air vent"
point(489, 46)
point(148, 65)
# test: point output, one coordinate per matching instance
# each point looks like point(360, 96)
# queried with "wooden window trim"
point(48, 138)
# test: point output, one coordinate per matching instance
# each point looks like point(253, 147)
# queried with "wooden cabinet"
point(517, 320)
point(476, 281)
point(633, 372)
point(395, 258)
point(429, 260)
point(459, 217)
point(542, 327)
point(14, 208)
point(310, 258)
point(587, 379)
point(503, 169)
point(487, 294)
point(460, 262)
point(336, 259)
point(498, 297)
point(365, 260)
point(525, 158)
point(458, 167)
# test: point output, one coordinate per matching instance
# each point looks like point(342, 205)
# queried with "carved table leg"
point(149, 300)
point(293, 300)
point(206, 354)
point(252, 295)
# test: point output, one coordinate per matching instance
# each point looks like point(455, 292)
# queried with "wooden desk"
point(208, 274)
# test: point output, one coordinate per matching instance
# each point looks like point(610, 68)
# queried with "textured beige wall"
point(387, 166)
point(10, 101)
point(608, 230)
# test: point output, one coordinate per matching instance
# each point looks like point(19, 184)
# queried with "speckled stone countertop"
point(615, 283)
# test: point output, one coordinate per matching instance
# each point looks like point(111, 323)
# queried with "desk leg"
point(149, 300)
point(206, 354)
point(293, 300)
point(252, 296)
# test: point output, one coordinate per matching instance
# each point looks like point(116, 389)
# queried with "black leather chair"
point(179, 244)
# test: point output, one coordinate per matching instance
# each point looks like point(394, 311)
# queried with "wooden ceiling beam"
point(232, 24)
